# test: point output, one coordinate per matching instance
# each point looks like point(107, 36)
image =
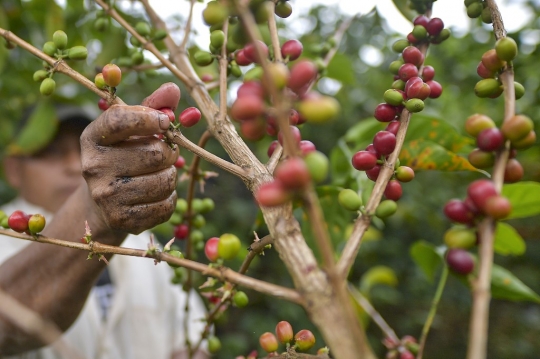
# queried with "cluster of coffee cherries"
point(492, 63)
point(478, 9)
point(58, 49)
point(302, 341)
point(180, 218)
point(405, 348)
point(22, 222)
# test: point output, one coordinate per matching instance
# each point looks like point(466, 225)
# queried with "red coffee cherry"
point(241, 59)
point(272, 194)
point(457, 211)
point(18, 221)
point(477, 123)
point(407, 71)
point(479, 191)
point(435, 26)
point(253, 130)
point(363, 160)
point(169, 112)
point(412, 81)
point(181, 231)
point(428, 73)
point(421, 20)
point(393, 127)
point(295, 133)
point(459, 261)
point(250, 88)
point(103, 105)
point(189, 117)
point(284, 332)
point(435, 89)
point(404, 174)
point(268, 342)
point(413, 55)
point(419, 90)
point(291, 49)
point(272, 148)
point(211, 249)
point(293, 174)
point(373, 173)
point(393, 190)
point(303, 73)
point(385, 112)
point(250, 51)
point(498, 207)
point(247, 108)
point(491, 61)
point(384, 142)
point(513, 171)
point(180, 162)
point(483, 71)
point(490, 139)
point(307, 147)
point(112, 75)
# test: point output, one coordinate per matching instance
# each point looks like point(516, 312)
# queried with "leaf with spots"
point(428, 155)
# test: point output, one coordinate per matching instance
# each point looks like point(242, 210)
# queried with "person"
point(128, 187)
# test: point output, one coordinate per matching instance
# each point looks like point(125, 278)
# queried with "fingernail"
point(163, 121)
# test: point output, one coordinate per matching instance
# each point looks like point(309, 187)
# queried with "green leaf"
point(438, 131)
point(340, 164)
point(504, 285)
point(427, 155)
point(508, 241)
point(404, 9)
point(340, 68)
point(361, 134)
point(377, 275)
point(426, 256)
point(38, 132)
point(524, 197)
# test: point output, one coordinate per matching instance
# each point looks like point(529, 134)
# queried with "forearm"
point(51, 280)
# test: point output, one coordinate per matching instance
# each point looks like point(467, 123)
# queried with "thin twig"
point(432, 312)
point(272, 27)
point(223, 63)
point(32, 323)
point(187, 30)
point(481, 287)
point(221, 273)
point(274, 159)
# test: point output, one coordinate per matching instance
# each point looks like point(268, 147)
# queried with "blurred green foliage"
point(405, 299)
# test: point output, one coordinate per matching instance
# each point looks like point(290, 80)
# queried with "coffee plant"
point(317, 190)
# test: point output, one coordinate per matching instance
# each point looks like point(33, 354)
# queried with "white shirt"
point(146, 318)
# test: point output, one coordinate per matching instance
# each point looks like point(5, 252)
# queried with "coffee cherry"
point(386, 208)
point(384, 142)
point(177, 254)
point(60, 39)
point(459, 261)
point(477, 123)
point(412, 81)
point(428, 73)
point(272, 148)
point(491, 61)
point(272, 194)
point(293, 174)
point(395, 65)
point(457, 211)
point(49, 48)
point(404, 174)
point(506, 48)
point(479, 191)
point(240, 299)
point(181, 231)
point(214, 344)
point(40, 75)
point(304, 340)
point(215, 13)
point(99, 81)
point(284, 332)
point(247, 108)
point(400, 45)
point(317, 164)
point(460, 237)
point(307, 147)
point(490, 139)
point(251, 53)
point(421, 20)
point(241, 58)
point(363, 160)
point(481, 159)
point(498, 207)
point(253, 130)
point(393, 127)
point(303, 74)
point(169, 112)
point(18, 221)
point(160, 34)
point(474, 10)
point(36, 223)
point(406, 355)
point(525, 142)
point(413, 55)
point(203, 58)
point(519, 90)
point(283, 9)
point(228, 246)
point(487, 88)
point(435, 26)
point(112, 75)
point(189, 117)
point(211, 249)
point(486, 15)
point(414, 105)
point(373, 173)
point(319, 109)
point(435, 89)
point(291, 49)
point(142, 28)
point(103, 105)
point(411, 39)
point(297, 136)
point(250, 88)
point(385, 112)
point(196, 236)
point(78, 53)
point(47, 87)
point(393, 190)
point(268, 342)
point(393, 97)
point(419, 90)
point(349, 199)
point(483, 72)
point(419, 32)
point(513, 171)
point(517, 127)
point(407, 71)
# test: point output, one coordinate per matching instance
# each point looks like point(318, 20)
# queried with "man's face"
point(49, 177)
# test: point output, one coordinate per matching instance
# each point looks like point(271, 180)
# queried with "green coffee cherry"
point(40, 75)
point(419, 32)
point(386, 208)
point(235, 69)
point(214, 344)
point(142, 28)
point(160, 35)
point(137, 58)
point(487, 88)
point(203, 58)
point(474, 10)
point(349, 199)
point(207, 205)
point(519, 90)
point(217, 38)
point(414, 105)
point(36, 223)
point(506, 48)
point(486, 15)
point(101, 24)
point(177, 254)
point(400, 45)
point(317, 164)
point(393, 97)
point(198, 221)
point(240, 299)
point(49, 48)
point(47, 87)
point(133, 41)
point(78, 53)
point(60, 39)
point(460, 237)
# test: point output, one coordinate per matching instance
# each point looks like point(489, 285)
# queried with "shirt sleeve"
point(196, 320)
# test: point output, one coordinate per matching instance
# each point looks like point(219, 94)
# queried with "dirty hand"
point(129, 172)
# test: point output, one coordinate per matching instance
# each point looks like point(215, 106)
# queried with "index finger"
point(119, 123)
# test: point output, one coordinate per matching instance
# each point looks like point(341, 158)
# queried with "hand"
point(129, 172)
